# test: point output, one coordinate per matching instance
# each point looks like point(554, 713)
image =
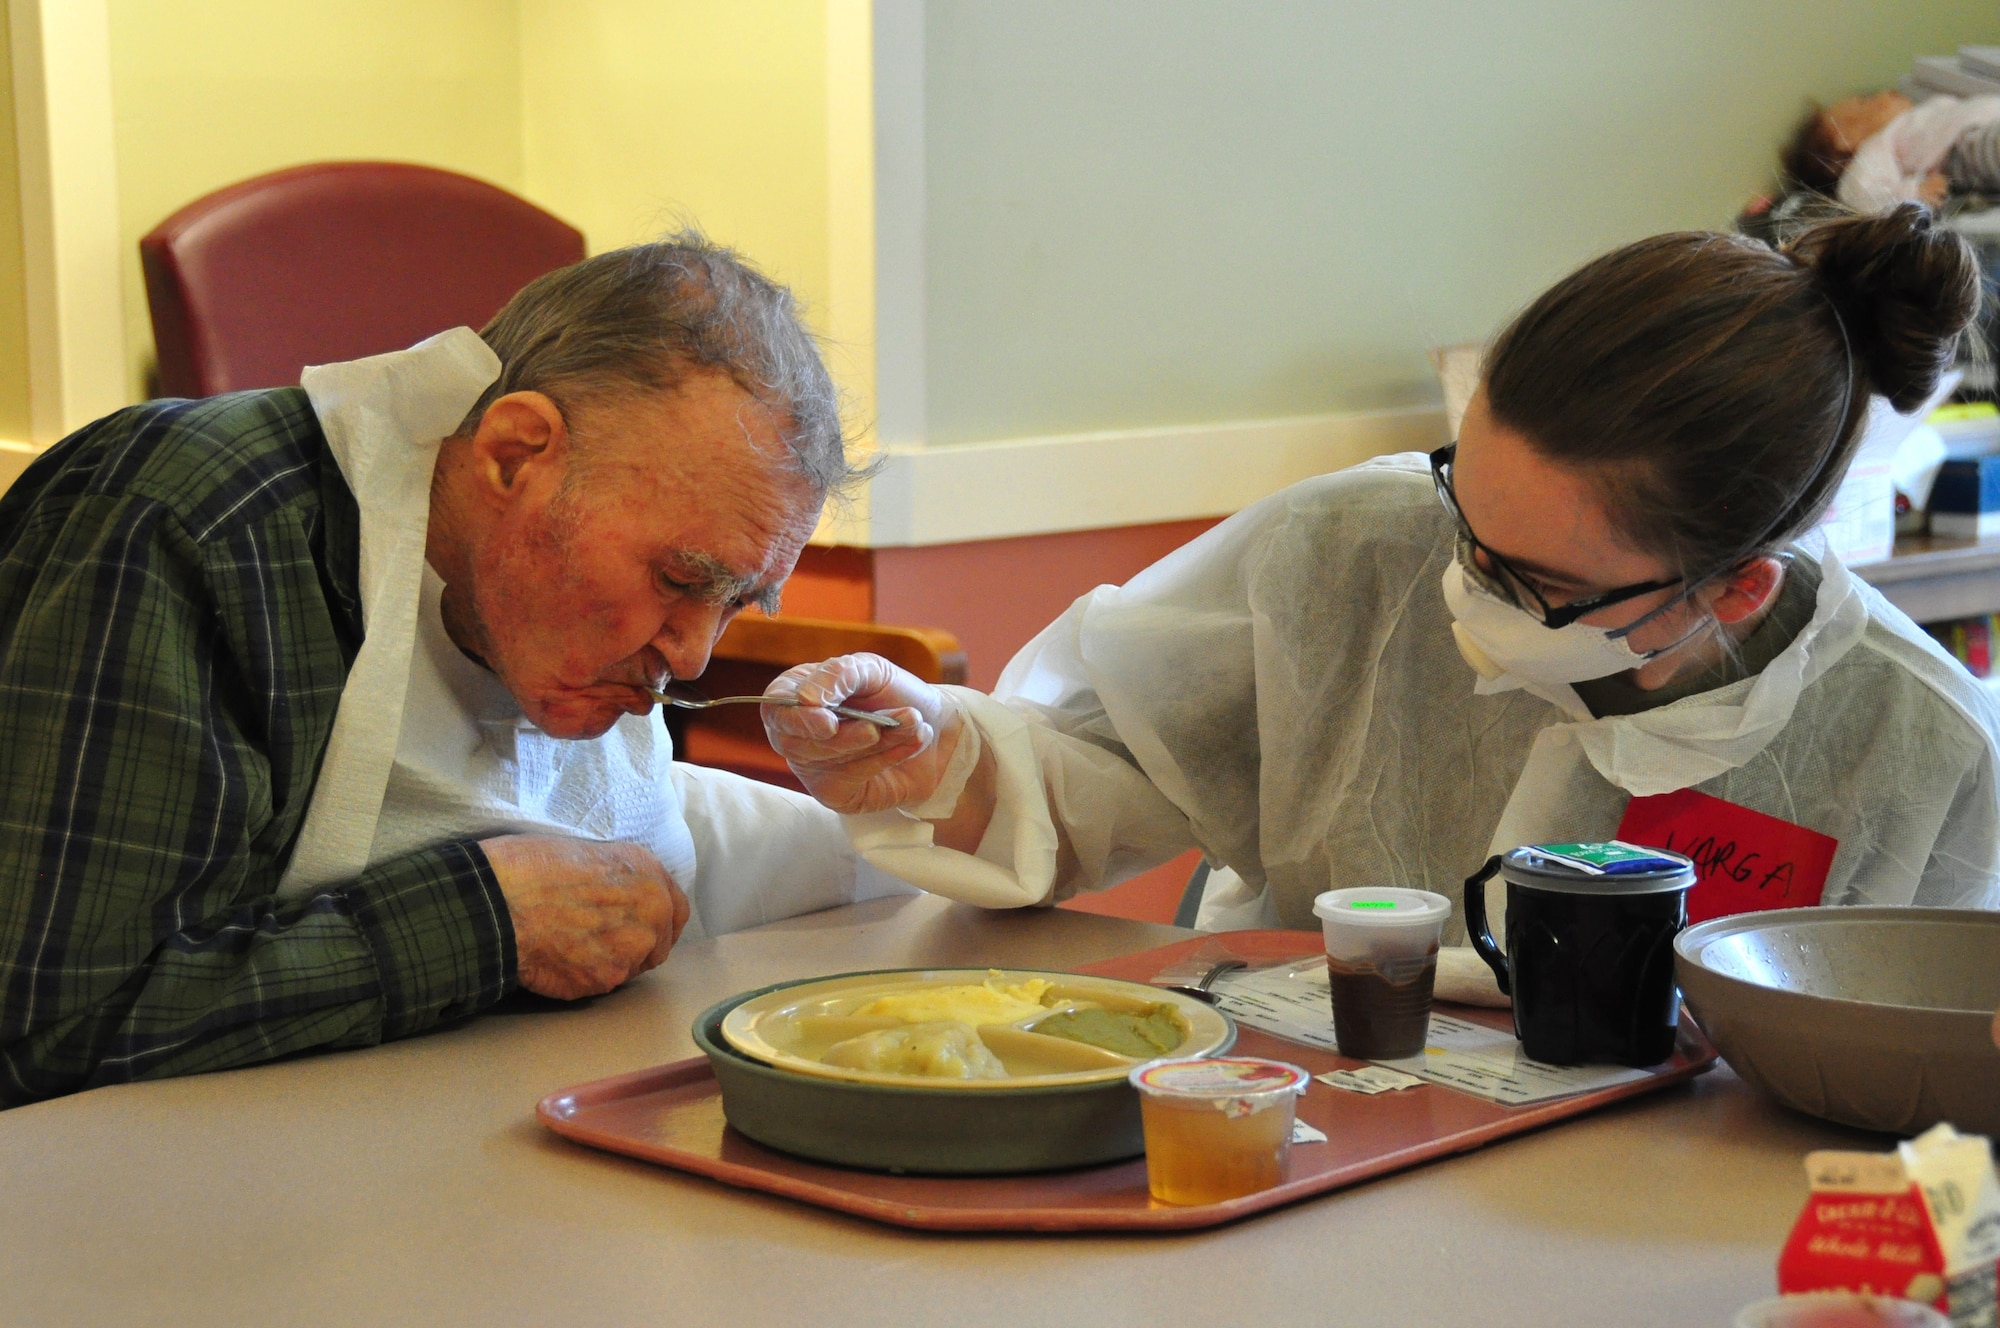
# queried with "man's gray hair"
point(641, 318)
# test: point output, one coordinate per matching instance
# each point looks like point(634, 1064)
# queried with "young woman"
point(1605, 590)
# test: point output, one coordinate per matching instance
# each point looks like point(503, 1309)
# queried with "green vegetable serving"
point(1155, 1031)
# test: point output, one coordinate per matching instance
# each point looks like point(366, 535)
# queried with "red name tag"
point(1744, 860)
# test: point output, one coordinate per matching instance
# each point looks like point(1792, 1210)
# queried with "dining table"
point(410, 1183)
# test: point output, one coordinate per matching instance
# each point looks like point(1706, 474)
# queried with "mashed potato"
point(990, 1002)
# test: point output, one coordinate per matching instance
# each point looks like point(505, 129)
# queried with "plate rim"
point(778, 1060)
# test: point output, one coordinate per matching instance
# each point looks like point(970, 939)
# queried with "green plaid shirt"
point(178, 612)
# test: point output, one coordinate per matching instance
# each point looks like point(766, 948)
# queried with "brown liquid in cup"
point(1382, 1013)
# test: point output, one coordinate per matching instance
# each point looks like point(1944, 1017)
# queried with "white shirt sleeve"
point(763, 853)
point(1068, 816)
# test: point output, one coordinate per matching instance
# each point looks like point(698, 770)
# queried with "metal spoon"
point(793, 702)
point(1200, 989)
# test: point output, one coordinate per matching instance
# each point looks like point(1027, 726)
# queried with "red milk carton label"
point(1922, 1223)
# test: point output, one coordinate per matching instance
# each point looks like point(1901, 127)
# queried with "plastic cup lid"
point(1219, 1076)
point(1839, 1309)
point(1381, 906)
point(1610, 868)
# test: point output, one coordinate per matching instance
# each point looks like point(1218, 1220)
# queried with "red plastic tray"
point(672, 1115)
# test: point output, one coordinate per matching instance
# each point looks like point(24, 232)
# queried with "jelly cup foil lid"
point(1381, 906)
point(1219, 1076)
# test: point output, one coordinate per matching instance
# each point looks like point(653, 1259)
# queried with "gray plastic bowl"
point(922, 1131)
point(1876, 1017)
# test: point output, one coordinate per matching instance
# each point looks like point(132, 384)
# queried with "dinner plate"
point(790, 1026)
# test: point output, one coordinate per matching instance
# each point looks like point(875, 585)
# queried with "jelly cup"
point(1216, 1128)
point(1838, 1309)
point(1381, 962)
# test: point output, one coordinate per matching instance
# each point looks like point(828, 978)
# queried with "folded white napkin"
point(1464, 977)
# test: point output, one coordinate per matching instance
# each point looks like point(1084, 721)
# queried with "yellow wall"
point(13, 296)
point(624, 117)
point(639, 115)
point(209, 92)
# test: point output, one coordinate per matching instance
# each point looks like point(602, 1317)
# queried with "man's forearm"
point(171, 663)
point(411, 944)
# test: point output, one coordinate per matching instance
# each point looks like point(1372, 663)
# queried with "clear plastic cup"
point(1839, 1309)
point(1218, 1127)
point(1381, 961)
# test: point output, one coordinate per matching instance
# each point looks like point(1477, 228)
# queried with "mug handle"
point(1476, 929)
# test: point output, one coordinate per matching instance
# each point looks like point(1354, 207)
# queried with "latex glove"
point(588, 916)
point(850, 765)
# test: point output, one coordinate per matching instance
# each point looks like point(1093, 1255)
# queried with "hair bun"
point(1904, 287)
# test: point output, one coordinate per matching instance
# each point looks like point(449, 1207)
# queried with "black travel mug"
point(1590, 957)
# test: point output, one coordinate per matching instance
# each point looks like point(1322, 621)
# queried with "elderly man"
point(324, 709)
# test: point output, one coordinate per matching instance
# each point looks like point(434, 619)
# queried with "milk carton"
point(1922, 1223)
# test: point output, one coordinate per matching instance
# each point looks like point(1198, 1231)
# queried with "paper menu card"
point(1295, 1002)
point(1488, 1062)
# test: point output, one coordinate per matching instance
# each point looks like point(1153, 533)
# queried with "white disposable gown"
point(1284, 694)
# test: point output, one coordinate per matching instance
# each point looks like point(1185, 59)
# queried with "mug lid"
point(1612, 867)
point(1380, 906)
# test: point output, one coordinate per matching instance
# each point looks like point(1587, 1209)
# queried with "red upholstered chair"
point(331, 262)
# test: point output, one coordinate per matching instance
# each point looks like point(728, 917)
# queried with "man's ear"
point(519, 436)
point(1747, 589)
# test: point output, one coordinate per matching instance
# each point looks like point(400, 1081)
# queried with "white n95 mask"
point(1508, 647)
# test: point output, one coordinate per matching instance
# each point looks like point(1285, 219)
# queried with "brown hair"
point(1810, 159)
point(1718, 386)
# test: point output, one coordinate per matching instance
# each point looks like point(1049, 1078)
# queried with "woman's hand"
point(853, 766)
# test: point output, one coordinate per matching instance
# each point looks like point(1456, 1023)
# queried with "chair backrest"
point(755, 650)
point(931, 653)
point(332, 262)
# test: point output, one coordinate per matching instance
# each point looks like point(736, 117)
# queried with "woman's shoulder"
point(1394, 477)
point(1381, 519)
point(1379, 499)
point(1906, 671)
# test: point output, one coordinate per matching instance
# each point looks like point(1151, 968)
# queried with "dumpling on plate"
point(945, 1049)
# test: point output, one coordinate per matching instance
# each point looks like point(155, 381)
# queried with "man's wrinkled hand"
point(851, 765)
point(588, 916)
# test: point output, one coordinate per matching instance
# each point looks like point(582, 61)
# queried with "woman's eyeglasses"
point(1551, 615)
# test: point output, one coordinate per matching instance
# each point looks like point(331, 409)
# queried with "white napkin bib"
point(470, 765)
point(384, 418)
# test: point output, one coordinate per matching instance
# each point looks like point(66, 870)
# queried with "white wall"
point(1186, 210)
